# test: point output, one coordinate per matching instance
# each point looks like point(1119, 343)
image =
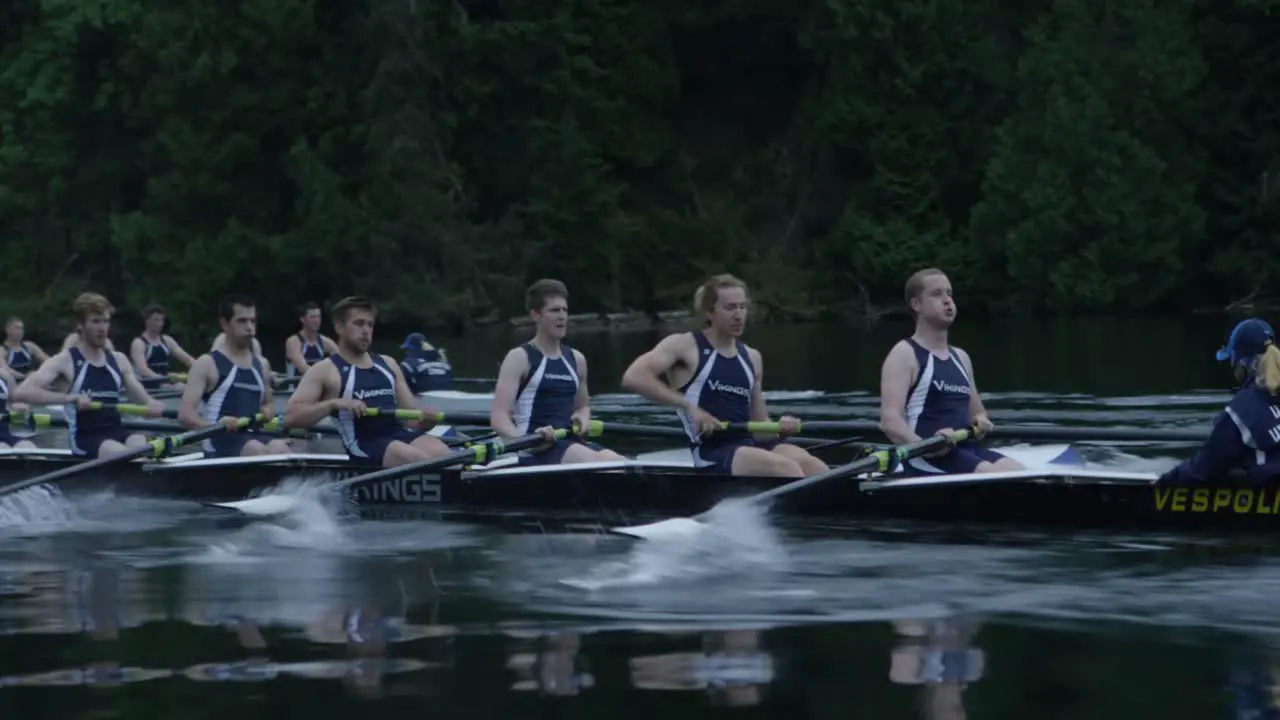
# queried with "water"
point(112, 607)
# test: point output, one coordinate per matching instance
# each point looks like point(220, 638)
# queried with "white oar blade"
point(261, 506)
point(672, 530)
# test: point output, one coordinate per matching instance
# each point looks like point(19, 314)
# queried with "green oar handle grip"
point(162, 446)
point(29, 419)
point(891, 457)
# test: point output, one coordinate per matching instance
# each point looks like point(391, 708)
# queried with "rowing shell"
point(1057, 491)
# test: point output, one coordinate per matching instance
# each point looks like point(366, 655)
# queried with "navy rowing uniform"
point(6, 436)
point(722, 386)
point(157, 355)
point(939, 399)
point(239, 392)
point(312, 353)
point(1245, 437)
point(367, 438)
point(426, 370)
point(20, 359)
point(546, 398)
point(88, 429)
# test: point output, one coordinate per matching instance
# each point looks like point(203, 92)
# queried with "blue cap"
point(1248, 339)
point(413, 341)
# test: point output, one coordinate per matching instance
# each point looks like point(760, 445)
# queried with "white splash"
point(735, 536)
point(37, 509)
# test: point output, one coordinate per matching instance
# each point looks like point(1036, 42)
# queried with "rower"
point(720, 379)
point(1246, 435)
point(232, 384)
point(150, 351)
point(927, 387)
point(307, 347)
point(21, 354)
point(7, 383)
point(425, 367)
point(91, 371)
point(542, 385)
point(352, 380)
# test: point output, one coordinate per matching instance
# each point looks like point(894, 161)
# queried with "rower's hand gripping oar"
point(156, 448)
point(878, 461)
point(473, 453)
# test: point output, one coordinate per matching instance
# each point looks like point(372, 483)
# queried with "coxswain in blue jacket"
point(425, 366)
point(1246, 436)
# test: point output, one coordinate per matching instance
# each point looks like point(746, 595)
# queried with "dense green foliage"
point(1065, 156)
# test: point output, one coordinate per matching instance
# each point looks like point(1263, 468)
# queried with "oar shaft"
point(475, 452)
point(156, 448)
point(876, 461)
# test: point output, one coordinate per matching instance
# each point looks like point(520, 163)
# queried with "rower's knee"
point(278, 447)
point(809, 465)
point(1002, 465)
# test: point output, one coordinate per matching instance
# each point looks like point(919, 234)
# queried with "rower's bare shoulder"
point(901, 354)
point(681, 347)
point(579, 359)
point(754, 355)
point(122, 360)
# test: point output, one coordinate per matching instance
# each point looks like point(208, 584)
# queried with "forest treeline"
point(1059, 156)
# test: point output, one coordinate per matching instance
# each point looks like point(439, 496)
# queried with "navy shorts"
point(87, 443)
point(962, 460)
point(371, 451)
point(554, 454)
point(8, 438)
point(717, 459)
point(232, 444)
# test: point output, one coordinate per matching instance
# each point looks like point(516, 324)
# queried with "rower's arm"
point(138, 355)
point(514, 367)
point(268, 394)
point(759, 409)
point(132, 386)
point(37, 388)
point(976, 408)
point(583, 398)
point(405, 399)
point(293, 353)
point(199, 381)
point(37, 354)
point(308, 406)
point(644, 376)
point(328, 346)
point(896, 375)
point(181, 355)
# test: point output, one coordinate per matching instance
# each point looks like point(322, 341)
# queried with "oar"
point(158, 447)
point(273, 426)
point(1047, 433)
point(878, 461)
point(474, 453)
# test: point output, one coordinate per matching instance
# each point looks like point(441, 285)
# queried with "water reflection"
point(550, 664)
point(731, 668)
point(936, 655)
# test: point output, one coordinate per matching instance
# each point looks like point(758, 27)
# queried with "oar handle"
point(162, 446)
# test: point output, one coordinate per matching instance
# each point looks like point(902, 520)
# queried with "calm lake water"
point(112, 607)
